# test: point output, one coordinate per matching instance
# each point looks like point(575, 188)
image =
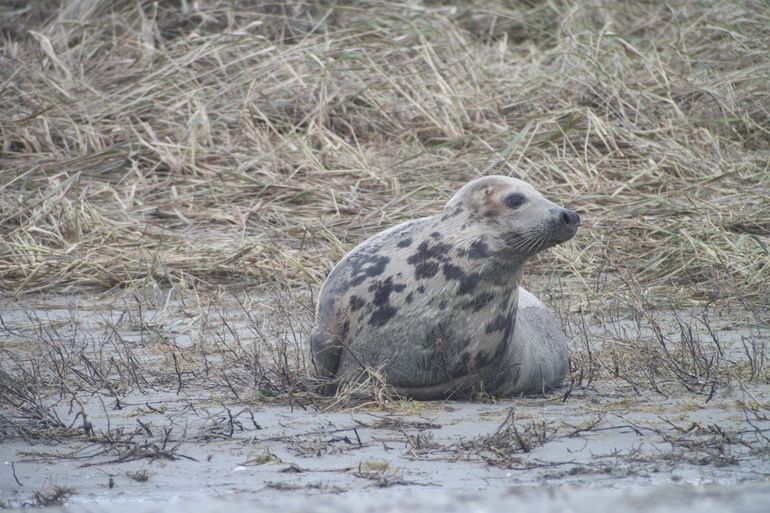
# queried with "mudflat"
point(146, 413)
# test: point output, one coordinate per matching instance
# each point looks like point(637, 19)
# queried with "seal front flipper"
point(327, 340)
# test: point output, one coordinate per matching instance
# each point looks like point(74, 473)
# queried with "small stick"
point(13, 469)
point(178, 374)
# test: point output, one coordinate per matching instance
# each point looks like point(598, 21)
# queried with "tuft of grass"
point(264, 458)
point(140, 476)
point(53, 495)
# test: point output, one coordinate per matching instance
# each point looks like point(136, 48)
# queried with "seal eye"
point(515, 200)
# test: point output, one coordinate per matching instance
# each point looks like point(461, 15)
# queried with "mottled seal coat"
point(435, 303)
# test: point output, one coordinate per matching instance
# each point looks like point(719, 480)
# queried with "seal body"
point(435, 304)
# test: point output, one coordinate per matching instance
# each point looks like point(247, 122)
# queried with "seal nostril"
point(569, 217)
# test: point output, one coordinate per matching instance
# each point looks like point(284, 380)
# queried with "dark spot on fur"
point(425, 270)
point(426, 252)
point(382, 315)
point(442, 304)
point(481, 359)
point(498, 324)
point(356, 303)
point(510, 323)
point(367, 265)
point(383, 289)
point(468, 283)
point(405, 243)
point(441, 343)
point(479, 302)
point(436, 235)
point(410, 298)
point(479, 249)
point(342, 286)
point(508, 295)
point(421, 289)
point(515, 199)
point(345, 330)
point(378, 266)
point(503, 323)
point(453, 272)
point(506, 324)
point(463, 362)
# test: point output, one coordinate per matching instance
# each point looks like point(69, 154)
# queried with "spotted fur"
point(433, 302)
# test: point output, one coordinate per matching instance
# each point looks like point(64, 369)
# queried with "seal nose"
point(570, 218)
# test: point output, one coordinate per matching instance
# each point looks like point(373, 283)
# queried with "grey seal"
point(435, 303)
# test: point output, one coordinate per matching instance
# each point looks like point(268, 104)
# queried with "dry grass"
point(254, 143)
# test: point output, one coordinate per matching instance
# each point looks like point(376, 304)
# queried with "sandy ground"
point(598, 448)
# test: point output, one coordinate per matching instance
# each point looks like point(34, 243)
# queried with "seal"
point(435, 303)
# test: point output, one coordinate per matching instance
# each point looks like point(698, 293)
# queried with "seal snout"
point(567, 224)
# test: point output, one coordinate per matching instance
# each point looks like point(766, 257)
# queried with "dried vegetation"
point(220, 142)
